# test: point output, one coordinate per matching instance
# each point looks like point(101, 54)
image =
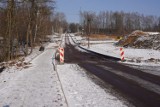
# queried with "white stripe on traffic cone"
point(122, 54)
point(61, 55)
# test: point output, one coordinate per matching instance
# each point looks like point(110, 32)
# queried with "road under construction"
point(140, 88)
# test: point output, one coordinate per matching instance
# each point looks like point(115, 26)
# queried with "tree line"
point(108, 22)
point(25, 23)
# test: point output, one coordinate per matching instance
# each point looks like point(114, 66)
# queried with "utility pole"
point(88, 28)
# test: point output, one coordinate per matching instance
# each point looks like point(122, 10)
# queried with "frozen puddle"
point(81, 91)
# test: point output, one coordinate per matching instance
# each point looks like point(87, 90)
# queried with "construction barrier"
point(122, 54)
point(61, 50)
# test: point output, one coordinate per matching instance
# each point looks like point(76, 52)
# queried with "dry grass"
point(97, 36)
point(102, 37)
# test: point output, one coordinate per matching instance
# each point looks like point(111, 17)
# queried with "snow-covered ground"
point(81, 91)
point(147, 60)
point(135, 56)
point(107, 47)
point(37, 85)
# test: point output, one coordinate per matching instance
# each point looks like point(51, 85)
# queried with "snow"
point(147, 60)
point(54, 38)
point(130, 53)
point(81, 91)
point(106, 49)
point(143, 38)
point(143, 55)
point(63, 40)
point(153, 33)
point(36, 86)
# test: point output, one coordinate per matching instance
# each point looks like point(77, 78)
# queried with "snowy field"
point(147, 60)
point(107, 47)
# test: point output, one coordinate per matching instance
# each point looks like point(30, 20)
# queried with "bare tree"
point(59, 22)
point(119, 22)
point(10, 26)
point(21, 22)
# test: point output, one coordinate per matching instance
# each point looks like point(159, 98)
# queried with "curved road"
point(142, 89)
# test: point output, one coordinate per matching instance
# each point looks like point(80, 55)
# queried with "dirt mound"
point(140, 39)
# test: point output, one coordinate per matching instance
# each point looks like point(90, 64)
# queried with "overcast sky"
point(71, 8)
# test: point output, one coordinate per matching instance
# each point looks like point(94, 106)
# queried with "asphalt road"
point(140, 88)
